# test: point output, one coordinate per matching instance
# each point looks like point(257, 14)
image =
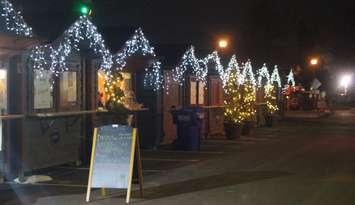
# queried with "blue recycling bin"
point(188, 123)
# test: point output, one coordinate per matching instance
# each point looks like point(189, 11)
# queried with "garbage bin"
point(188, 123)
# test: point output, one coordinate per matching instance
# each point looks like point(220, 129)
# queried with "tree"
point(271, 99)
point(233, 98)
point(248, 110)
point(114, 93)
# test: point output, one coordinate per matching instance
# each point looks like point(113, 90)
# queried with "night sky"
point(277, 32)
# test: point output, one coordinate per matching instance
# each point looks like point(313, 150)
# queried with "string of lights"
point(263, 73)
point(271, 99)
point(291, 79)
point(188, 62)
point(233, 98)
point(248, 74)
point(50, 58)
point(137, 44)
point(275, 77)
point(14, 20)
point(203, 71)
point(233, 67)
point(153, 76)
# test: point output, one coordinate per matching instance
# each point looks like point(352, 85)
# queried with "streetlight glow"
point(345, 81)
point(314, 61)
point(223, 43)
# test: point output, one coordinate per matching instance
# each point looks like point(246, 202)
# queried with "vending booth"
point(187, 89)
point(48, 113)
point(214, 108)
point(16, 37)
point(138, 62)
point(12, 96)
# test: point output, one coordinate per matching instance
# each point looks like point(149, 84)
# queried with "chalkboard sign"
point(112, 158)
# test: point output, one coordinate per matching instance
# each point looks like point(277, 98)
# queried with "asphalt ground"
point(298, 161)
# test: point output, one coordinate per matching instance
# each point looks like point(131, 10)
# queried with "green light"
point(84, 10)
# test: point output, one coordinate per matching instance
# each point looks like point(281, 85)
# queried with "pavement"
point(298, 161)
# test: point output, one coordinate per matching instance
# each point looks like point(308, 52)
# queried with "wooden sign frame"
point(135, 155)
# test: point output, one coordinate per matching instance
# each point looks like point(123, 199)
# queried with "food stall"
point(195, 84)
point(214, 106)
point(55, 90)
point(16, 37)
point(139, 64)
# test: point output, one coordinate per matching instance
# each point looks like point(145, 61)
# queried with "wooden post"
point(139, 166)
point(103, 192)
point(131, 164)
point(91, 165)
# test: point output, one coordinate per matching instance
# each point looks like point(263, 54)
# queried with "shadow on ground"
point(210, 182)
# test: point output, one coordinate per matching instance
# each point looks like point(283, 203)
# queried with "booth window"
point(102, 95)
point(193, 92)
point(3, 99)
point(125, 85)
point(196, 92)
point(216, 92)
point(201, 93)
point(3, 91)
point(43, 89)
point(68, 89)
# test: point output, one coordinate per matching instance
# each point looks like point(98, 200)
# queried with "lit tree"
point(114, 93)
point(271, 98)
point(248, 110)
point(248, 90)
point(233, 98)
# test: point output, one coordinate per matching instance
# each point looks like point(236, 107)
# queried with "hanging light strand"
point(14, 20)
point(53, 58)
point(214, 58)
point(189, 62)
point(263, 73)
point(291, 79)
point(275, 77)
point(137, 44)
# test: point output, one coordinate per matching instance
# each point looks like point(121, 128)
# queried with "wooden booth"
point(15, 38)
point(194, 93)
point(214, 108)
point(53, 116)
point(142, 72)
point(143, 99)
point(12, 98)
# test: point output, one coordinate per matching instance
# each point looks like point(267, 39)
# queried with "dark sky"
point(280, 32)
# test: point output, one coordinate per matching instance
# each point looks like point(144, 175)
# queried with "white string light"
point(291, 79)
point(137, 44)
point(275, 77)
point(233, 65)
point(49, 58)
point(263, 73)
point(248, 74)
point(202, 72)
point(189, 62)
point(153, 76)
point(14, 20)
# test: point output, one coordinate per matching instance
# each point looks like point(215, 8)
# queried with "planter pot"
point(247, 128)
point(232, 130)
